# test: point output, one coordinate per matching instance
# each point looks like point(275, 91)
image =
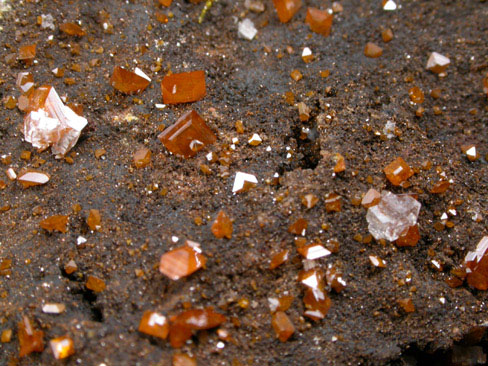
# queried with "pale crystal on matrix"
point(247, 30)
point(53, 124)
point(392, 215)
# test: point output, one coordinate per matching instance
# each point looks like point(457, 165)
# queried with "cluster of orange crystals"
point(179, 327)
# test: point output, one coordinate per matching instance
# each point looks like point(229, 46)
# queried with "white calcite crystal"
point(394, 214)
point(53, 124)
point(246, 29)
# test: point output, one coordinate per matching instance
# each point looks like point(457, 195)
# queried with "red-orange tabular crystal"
point(128, 82)
point(72, 29)
point(222, 226)
point(62, 347)
point(440, 187)
point(317, 304)
point(476, 263)
point(55, 223)
point(372, 50)
point(27, 53)
point(184, 87)
point(30, 340)
point(282, 326)
point(334, 279)
point(371, 198)
point(188, 135)
point(154, 324)
point(398, 171)
point(94, 220)
point(181, 262)
point(286, 9)
point(95, 284)
point(279, 258)
point(320, 21)
point(165, 2)
point(178, 335)
point(333, 202)
point(25, 82)
point(199, 319)
point(410, 238)
point(407, 305)
point(142, 158)
point(298, 227)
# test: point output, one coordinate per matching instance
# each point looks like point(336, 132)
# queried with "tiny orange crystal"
point(476, 263)
point(184, 87)
point(222, 226)
point(407, 305)
point(55, 223)
point(372, 50)
point(279, 258)
point(199, 319)
point(440, 187)
point(282, 326)
point(182, 261)
point(409, 238)
point(72, 29)
point(286, 9)
point(320, 21)
point(129, 82)
point(30, 339)
point(333, 202)
point(142, 158)
point(371, 198)
point(154, 324)
point(398, 171)
point(387, 35)
point(298, 227)
point(27, 54)
point(188, 135)
point(94, 220)
point(62, 347)
point(95, 284)
point(165, 2)
point(317, 304)
point(309, 200)
point(416, 95)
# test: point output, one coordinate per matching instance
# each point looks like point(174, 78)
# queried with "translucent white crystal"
point(392, 215)
point(436, 60)
point(53, 125)
point(389, 5)
point(389, 129)
point(243, 182)
point(47, 21)
point(246, 29)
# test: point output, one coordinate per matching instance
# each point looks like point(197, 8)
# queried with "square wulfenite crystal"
point(476, 263)
point(286, 9)
point(184, 87)
point(394, 214)
point(188, 135)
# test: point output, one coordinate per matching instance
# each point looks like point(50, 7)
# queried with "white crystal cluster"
point(394, 214)
point(54, 125)
point(246, 29)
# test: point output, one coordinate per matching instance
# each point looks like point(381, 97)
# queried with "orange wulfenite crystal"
point(313, 251)
point(299, 227)
point(72, 29)
point(398, 171)
point(372, 50)
point(281, 304)
point(312, 278)
point(70, 267)
point(30, 177)
point(62, 347)
point(485, 85)
point(286, 9)
point(56, 222)
point(320, 21)
point(25, 82)
point(279, 258)
point(309, 200)
point(409, 238)
point(407, 305)
point(416, 95)
point(94, 220)
point(317, 304)
point(154, 324)
point(440, 187)
point(27, 54)
point(282, 326)
point(178, 335)
point(188, 135)
point(377, 261)
point(477, 265)
point(180, 359)
point(333, 202)
point(182, 261)
point(95, 284)
point(371, 198)
point(387, 35)
point(199, 319)
point(165, 2)
point(222, 226)
point(142, 158)
point(340, 163)
point(129, 82)
point(334, 278)
point(296, 75)
point(30, 340)
point(184, 87)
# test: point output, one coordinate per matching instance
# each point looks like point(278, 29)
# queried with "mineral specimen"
point(392, 215)
point(182, 261)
